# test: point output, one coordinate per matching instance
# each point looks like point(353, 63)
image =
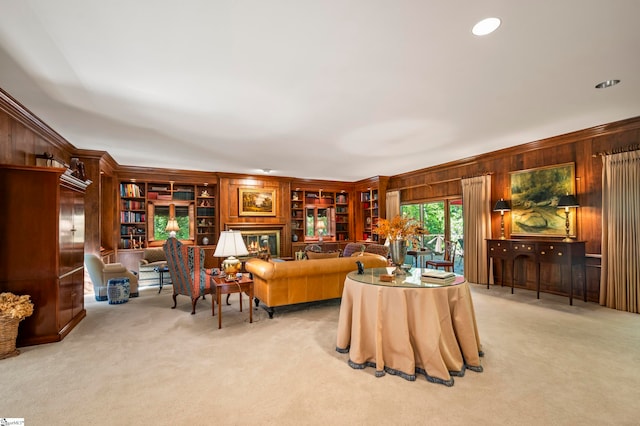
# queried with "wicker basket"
point(8, 336)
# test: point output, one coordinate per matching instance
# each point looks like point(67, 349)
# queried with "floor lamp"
point(502, 206)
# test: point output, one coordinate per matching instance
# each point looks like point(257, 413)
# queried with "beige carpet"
point(142, 363)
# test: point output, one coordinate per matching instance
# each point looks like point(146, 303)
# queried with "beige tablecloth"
point(405, 331)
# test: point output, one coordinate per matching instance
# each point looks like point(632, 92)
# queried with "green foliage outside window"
point(162, 217)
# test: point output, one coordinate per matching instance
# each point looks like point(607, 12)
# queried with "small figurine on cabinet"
point(204, 193)
point(204, 203)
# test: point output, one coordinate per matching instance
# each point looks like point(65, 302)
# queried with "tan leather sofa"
point(299, 281)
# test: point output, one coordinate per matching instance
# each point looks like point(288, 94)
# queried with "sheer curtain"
point(393, 204)
point(620, 275)
point(476, 213)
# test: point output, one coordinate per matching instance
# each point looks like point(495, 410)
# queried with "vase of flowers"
point(398, 232)
point(13, 309)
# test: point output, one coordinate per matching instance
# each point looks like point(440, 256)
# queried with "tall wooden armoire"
point(42, 248)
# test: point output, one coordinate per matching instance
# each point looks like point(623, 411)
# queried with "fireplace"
point(259, 237)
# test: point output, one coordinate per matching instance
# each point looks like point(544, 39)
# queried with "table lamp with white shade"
point(172, 227)
point(231, 245)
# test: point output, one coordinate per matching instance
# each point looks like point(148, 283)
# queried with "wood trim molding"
point(553, 141)
point(19, 112)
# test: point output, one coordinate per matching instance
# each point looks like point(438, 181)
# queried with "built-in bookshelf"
point(133, 215)
point(369, 206)
point(370, 213)
point(318, 215)
point(205, 215)
point(342, 216)
point(139, 200)
point(297, 215)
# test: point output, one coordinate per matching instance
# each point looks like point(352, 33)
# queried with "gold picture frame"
point(257, 202)
point(534, 199)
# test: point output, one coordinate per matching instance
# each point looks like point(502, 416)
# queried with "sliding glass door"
point(442, 221)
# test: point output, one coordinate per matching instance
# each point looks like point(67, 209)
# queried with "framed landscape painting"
point(257, 202)
point(534, 200)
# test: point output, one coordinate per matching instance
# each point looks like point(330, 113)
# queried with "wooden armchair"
point(448, 260)
point(186, 265)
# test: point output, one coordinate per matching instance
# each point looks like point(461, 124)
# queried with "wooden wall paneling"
point(229, 212)
point(92, 206)
point(6, 144)
point(577, 147)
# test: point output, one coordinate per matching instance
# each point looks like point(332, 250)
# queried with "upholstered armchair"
point(100, 274)
point(352, 248)
point(380, 249)
point(152, 258)
point(186, 265)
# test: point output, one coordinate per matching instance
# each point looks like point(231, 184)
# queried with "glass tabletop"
point(413, 278)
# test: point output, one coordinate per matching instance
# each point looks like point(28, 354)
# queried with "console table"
point(408, 326)
point(564, 253)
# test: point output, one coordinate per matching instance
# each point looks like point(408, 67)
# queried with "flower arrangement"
point(398, 228)
point(17, 307)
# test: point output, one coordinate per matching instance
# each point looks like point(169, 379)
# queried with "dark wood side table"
point(221, 286)
point(161, 270)
point(563, 253)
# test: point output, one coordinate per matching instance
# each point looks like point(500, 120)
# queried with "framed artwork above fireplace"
point(257, 202)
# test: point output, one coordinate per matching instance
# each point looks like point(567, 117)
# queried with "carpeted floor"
point(142, 363)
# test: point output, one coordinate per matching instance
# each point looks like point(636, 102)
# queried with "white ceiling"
point(325, 89)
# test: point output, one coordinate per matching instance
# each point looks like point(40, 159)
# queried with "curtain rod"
point(477, 175)
point(402, 188)
point(632, 147)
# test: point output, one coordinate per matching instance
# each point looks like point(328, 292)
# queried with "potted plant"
point(398, 231)
point(13, 309)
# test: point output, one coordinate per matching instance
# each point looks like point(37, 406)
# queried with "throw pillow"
point(313, 255)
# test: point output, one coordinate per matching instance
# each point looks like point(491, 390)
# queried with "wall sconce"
point(566, 202)
point(502, 206)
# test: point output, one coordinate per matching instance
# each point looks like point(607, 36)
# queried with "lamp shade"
point(172, 225)
point(568, 201)
point(502, 206)
point(230, 244)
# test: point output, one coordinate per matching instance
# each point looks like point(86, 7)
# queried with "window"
point(442, 221)
point(160, 212)
point(320, 222)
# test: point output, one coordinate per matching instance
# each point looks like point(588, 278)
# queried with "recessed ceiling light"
point(486, 26)
point(266, 171)
point(607, 83)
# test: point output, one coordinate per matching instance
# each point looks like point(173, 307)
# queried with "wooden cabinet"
point(42, 248)
point(566, 255)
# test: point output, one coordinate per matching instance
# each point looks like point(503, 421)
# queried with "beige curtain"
point(620, 275)
point(393, 204)
point(476, 212)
